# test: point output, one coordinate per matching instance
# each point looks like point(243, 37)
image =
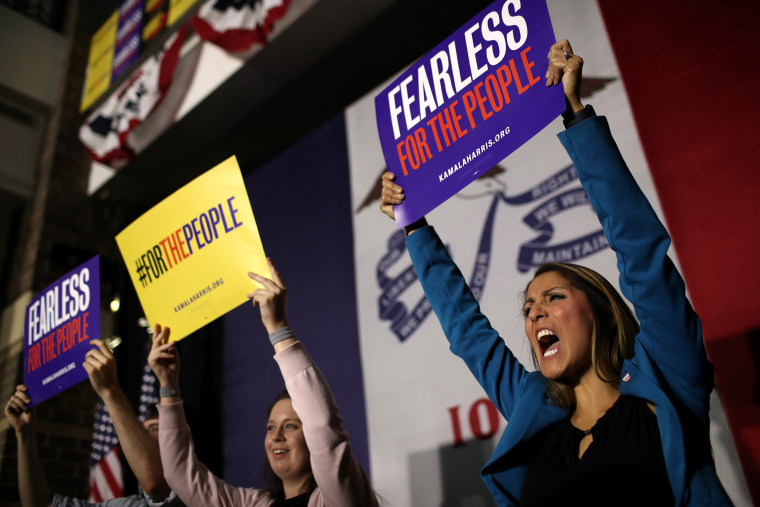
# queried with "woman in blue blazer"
point(618, 411)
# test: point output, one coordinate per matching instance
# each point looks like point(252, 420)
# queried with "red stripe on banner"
point(114, 483)
point(95, 495)
point(123, 154)
point(688, 69)
point(169, 63)
point(236, 40)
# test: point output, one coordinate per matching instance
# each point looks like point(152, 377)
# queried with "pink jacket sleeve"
point(340, 479)
point(193, 483)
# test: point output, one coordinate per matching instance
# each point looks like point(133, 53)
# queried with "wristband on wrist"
point(281, 334)
point(169, 392)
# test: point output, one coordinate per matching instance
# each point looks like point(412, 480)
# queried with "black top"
point(297, 501)
point(624, 465)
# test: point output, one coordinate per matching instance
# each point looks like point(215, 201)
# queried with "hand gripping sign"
point(470, 102)
point(189, 255)
point(60, 322)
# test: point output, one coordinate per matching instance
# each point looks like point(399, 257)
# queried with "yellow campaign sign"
point(189, 256)
point(99, 62)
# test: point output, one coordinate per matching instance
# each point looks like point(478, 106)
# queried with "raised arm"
point(670, 330)
point(32, 483)
point(340, 479)
point(271, 301)
point(140, 449)
point(190, 479)
point(469, 332)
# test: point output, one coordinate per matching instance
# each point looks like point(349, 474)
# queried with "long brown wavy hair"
point(613, 333)
point(273, 484)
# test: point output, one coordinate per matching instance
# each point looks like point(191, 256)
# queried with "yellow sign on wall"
point(99, 63)
point(189, 256)
point(177, 8)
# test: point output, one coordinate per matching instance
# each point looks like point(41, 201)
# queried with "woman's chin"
point(551, 370)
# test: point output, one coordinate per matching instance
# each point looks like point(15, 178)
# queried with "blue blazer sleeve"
point(671, 333)
point(469, 332)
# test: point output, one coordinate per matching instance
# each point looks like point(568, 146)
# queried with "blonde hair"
point(613, 333)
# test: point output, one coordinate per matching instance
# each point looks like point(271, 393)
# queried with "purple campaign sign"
point(467, 104)
point(60, 322)
point(128, 36)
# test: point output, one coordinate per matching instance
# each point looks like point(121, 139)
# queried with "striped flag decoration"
point(236, 25)
point(106, 479)
point(106, 131)
point(148, 391)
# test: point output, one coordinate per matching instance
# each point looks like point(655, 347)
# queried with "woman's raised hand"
point(100, 365)
point(271, 300)
point(566, 67)
point(391, 195)
point(163, 358)
point(17, 410)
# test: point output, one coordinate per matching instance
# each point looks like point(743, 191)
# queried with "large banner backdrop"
point(418, 420)
point(430, 428)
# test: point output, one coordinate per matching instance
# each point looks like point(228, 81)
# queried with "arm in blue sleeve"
point(670, 329)
point(469, 332)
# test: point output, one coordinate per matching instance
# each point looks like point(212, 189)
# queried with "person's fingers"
point(157, 336)
point(388, 179)
point(260, 295)
point(166, 351)
point(253, 296)
point(103, 347)
point(164, 355)
point(276, 277)
point(165, 347)
point(21, 394)
point(161, 335)
point(12, 408)
point(96, 357)
point(392, 199)
point(21, 400)
point(17, 404)
point(552, 47)
point(560, 53)
point(266, 282)
point(391, 196)
point(560, 47)
point(554, 71)
point(92, 361)
point(389, 185)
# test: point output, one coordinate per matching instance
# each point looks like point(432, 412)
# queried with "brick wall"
point(60, 229)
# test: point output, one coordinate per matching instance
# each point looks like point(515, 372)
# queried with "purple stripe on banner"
point(537, 252)
point(125, 55)
point(403, 322)
point(128, 36)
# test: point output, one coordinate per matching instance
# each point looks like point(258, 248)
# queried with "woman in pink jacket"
point(306, 445)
